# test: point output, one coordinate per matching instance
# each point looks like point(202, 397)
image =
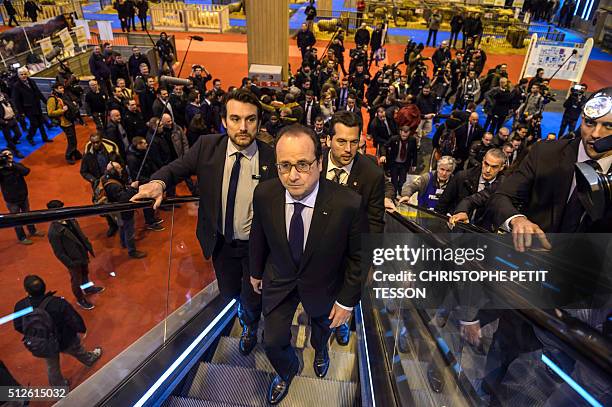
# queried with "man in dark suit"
point(294, 219)
point(468, 182)
point(311, 109)
point(27, 98)
point(382, 128)
point(466, 135)
point(400, 156)
point(353, 107)
point(342, 165)
point(544, 182)
point(228, 169)
point(72, 248)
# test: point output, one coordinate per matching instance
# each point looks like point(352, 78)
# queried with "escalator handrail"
point(57, 214)
point(469, 227)
point(579, 335)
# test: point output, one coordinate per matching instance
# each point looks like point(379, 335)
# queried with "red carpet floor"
point(135, 298)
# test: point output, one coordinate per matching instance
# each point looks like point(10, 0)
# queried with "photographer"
point(165, 50)
point(467, 91)
point(573, 107)
point(15, 192)
point(359, 56)
point(8, 123)
point(497, 105)
point(65, 112)
point(440, 85)
point(419, 79)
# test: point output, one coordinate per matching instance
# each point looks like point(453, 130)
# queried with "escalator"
point(399, 354)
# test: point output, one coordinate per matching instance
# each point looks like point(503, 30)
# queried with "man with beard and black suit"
point(294, 219)
point(27, 98)
point(228, 169)
point(342, 165)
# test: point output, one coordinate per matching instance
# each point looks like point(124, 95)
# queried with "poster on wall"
point(551, 55)
point(81, 37)
point(15, 40)
point(66, 39)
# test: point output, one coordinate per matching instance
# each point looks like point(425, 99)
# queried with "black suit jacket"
point(28, 99)
point(328, 272)
point(368, 180)
point(315, 111)
point(392, 148)
point(69, 244)
point(462, 185)
point(206, 159)
point(540, 185)
point(463, 144)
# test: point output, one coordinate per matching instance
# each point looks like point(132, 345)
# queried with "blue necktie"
point(231, 199)
point(296, 233)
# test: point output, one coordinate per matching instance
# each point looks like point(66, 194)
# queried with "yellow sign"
point(46, 46)
point(66, 39)
point(81, 36)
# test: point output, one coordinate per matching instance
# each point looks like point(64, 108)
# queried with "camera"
point(578, 89)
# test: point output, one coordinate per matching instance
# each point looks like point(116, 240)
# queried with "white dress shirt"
point(331, 173)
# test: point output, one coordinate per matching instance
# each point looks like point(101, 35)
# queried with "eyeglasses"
point(300, 166)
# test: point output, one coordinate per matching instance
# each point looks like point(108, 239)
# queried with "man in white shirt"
point(305, 246)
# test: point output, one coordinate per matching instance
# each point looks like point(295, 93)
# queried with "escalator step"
point(175, 401)
point(343, 365)
point(300, 337)
point(248, 387)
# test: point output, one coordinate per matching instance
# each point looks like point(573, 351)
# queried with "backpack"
point(448, 142)
point(40, 332)
point(99, 194)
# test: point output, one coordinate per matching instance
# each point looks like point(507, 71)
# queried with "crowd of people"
point(153, 134)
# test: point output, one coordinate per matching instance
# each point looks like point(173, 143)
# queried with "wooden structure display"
point(189, 17)
point(48, 10)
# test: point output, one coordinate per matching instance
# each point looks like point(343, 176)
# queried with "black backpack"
point(448, 142)
point(40, 332)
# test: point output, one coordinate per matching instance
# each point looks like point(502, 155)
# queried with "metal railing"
point(48, 10)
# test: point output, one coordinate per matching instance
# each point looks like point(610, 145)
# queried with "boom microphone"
point(196, 37)
point(603, 145)
point(175, 81)
point(53, 54)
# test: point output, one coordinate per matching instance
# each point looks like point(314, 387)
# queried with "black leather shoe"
point(321, 363)
point(343, 334)
point(248, 339)
point(278, 390)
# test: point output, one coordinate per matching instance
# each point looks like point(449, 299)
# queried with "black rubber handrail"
point(50, 215)
point(469, 227)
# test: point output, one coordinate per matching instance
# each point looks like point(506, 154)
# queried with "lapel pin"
point(324, 213)
point(264, 168)
point(355, 183)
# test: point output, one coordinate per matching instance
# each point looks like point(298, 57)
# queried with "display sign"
point(518, 3)
point(488, 2)
point(266, 76)
point(568, 58)
point(500, 3)
point(105, 29)
point(85, 25)
point(46, 46)
point(66, 39)
point(81, 36)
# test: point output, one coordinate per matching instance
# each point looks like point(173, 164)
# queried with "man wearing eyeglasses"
point(342, 165)
point(305, 247)
point(228, 170)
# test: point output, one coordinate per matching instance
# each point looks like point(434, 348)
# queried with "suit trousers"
point(36, 123)
point(79, 275)
point(231, 263)
point(399, 172)
point(277, 340)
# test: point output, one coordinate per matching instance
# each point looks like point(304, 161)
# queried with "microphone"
point(603, 145)
point(200, 38)
point(175, 81)
point(574, 51)
point(53, 54)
